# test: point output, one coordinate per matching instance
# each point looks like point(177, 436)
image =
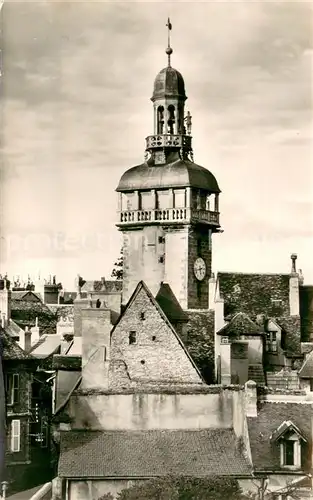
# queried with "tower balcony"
point(168, 216)
point(168, 140)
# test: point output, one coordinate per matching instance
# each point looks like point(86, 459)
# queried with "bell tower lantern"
point(169, 206)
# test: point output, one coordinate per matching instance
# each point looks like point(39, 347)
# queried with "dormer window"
point(271, 342)
point(290, 441)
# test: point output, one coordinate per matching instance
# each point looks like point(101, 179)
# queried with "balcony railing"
point(167, 140)
point(177, 215)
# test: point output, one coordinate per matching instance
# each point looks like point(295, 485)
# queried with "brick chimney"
point(294, 298)
point(96, 328)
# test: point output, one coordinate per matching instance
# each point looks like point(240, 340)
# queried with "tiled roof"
point(169, 304)
point(241, 324)
point(266, 452)
point(134, 454)
point(256, 373)
point(306, 370)
point(28, 305)
point(13, 329)
point(102, 285)
point(10, 349)
point(255, 293)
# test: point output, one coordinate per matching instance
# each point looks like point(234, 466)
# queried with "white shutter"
point(15, 435)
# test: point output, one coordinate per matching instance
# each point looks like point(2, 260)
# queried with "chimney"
point(294, 298)
point(96, 329)
point(251, 399)
point(25, 339)
point(220, 353)
point(5, 300)
point(212, 290)
point(35, 335)
point(293, 263)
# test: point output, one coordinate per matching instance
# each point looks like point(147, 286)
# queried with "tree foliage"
point(184, 488)
point(117, 271)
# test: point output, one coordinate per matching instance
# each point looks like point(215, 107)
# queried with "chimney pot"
point(293, 260)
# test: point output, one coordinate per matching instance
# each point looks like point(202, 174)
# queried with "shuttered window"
point(15, 435)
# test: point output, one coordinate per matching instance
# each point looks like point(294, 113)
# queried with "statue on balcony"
point(188, 120)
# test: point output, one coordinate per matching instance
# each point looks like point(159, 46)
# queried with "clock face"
point(199, 269)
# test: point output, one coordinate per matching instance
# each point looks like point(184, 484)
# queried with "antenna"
point(169, 50)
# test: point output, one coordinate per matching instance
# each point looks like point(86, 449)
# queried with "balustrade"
point(183, 215)
point(169, 140)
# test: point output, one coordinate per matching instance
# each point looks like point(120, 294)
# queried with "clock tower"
point(169, 206)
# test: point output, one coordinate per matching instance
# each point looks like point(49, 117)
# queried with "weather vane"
point(169, 50)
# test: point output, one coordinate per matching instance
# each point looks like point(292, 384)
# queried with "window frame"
point(296, 453)
point(132, 337)
point(271, 341)
point(12, 387)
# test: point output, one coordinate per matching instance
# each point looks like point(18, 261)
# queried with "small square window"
point(161, 259)
point(132, 337)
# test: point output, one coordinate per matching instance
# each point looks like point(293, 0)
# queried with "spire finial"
point(169, 50)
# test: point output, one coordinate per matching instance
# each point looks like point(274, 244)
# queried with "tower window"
point(98, 303)
point(153, 337)
point(160, 127)
point(142, 361)
point(161, 259)
point(161, 239)
point(171, 120)
point(132, 337)
point(142, 316)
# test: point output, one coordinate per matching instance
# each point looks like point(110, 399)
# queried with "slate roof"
point(241, 324)
point(10, 349)
point(306, 370)
point(266, 452)
point(169, 304)
point(151, 453)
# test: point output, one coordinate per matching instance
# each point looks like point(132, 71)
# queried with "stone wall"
point(156, 353)
point(140, 411)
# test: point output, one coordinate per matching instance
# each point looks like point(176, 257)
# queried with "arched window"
point(98, 303)
point(171, 119)
point(160, 119)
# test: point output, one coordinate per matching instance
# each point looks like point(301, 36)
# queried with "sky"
point(77, 78)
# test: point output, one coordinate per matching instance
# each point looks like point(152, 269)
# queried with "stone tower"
point(168, 205)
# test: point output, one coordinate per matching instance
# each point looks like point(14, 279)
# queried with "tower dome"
point(169, 83)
